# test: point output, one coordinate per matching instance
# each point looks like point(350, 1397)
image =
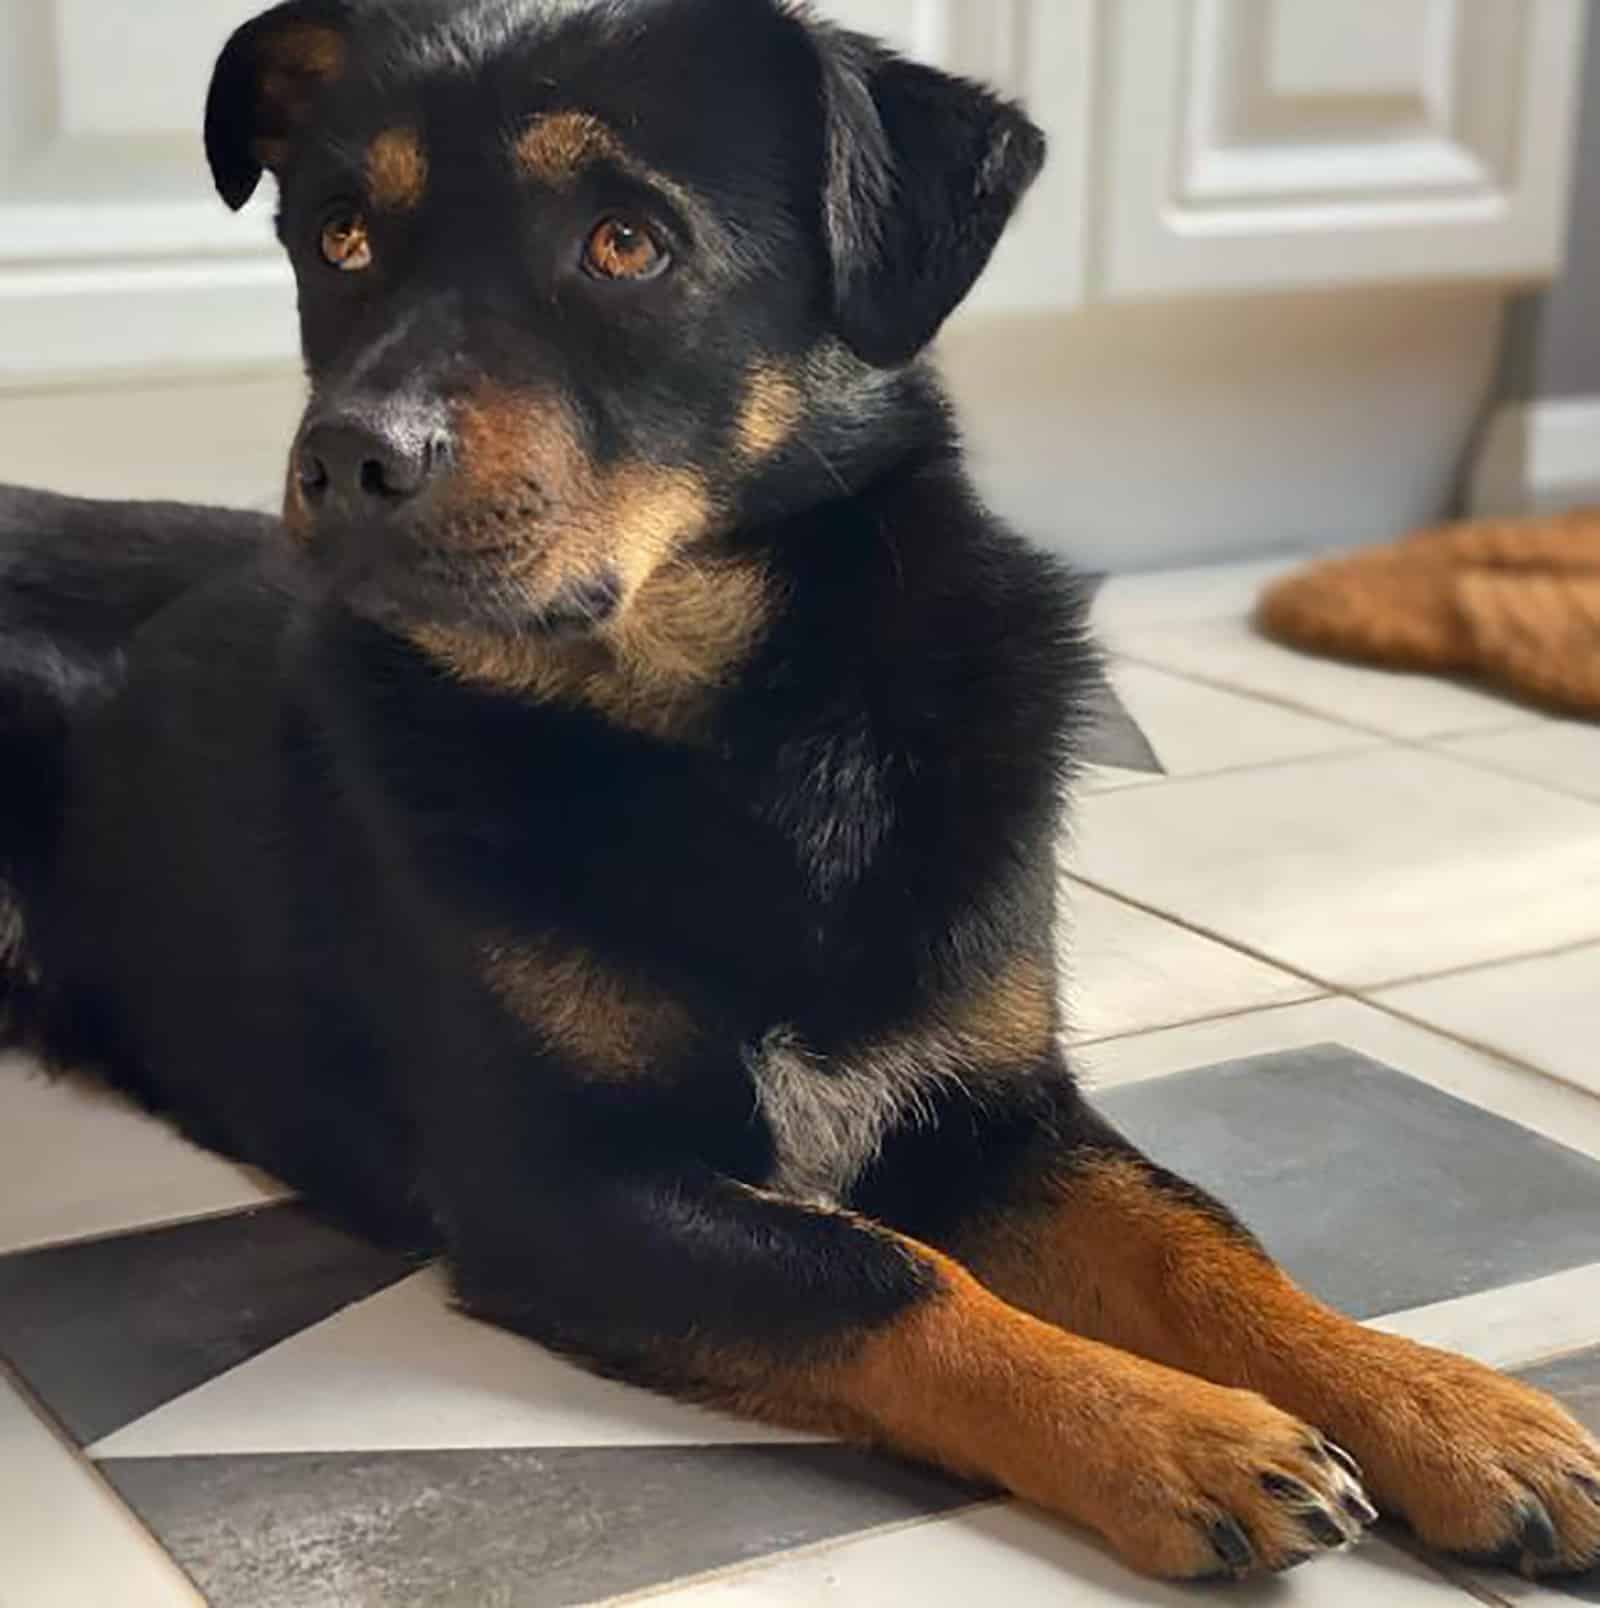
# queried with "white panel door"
point(1042, 53)
point(115, 254)
point(1267, 144)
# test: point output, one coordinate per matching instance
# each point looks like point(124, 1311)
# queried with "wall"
point(1552, 348)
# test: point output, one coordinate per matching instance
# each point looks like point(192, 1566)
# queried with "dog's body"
point(606, 832)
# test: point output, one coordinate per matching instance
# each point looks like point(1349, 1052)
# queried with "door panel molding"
point(1272, 144)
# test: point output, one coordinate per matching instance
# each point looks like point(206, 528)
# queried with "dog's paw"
point(1220, 1484)
point(1480, 1465)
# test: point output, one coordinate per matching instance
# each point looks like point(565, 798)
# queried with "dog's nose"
point(370, 465)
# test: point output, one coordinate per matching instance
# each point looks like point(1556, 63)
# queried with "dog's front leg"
point(1103, 1242)
point(822, 1320)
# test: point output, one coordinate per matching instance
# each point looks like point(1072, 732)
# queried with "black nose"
point(371, 463)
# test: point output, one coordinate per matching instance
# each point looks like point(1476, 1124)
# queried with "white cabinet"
point(1253, 145)
point(1197, 146)
point(1273, 144)
point(115, 255)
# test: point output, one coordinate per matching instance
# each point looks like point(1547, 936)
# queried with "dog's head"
point(583, 285)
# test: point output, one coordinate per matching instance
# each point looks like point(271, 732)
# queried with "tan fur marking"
point(657, 671)
point(615, 1026)
point(397, 170)
point(557, 147)
point(1006, 1022)
point(688, 619)
point(774, 405)
point(966, 1382)
point(1012, 1019)
point(1445, 1442)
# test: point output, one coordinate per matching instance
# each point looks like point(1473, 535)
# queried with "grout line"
point(154, 1226)
point(1488, 767)
point(143, 1535)
point(1478, 1046)
point(1216, 684)
point(1447, 1569)
point(1243, 769)
point(1365, 991)
point(748, 1567)
point(1329, 989)
point(1529, 715)
point(1509, 1327)
point(1321, 984)
point(1072, 1045)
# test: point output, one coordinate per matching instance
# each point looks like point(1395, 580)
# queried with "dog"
point(604, 832)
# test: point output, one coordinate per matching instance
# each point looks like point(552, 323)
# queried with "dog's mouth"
point(460, 575)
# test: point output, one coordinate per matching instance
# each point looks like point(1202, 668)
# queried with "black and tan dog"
point(606, 831)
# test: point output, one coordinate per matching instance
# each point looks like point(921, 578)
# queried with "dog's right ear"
point(269, 74)
point(923, 173)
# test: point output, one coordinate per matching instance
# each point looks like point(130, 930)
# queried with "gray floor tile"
point(107, 1330)
point(1378, 1192)
point(504, 1529)
point(1574, 1380)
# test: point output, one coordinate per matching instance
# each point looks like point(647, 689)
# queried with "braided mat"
point(1513, 602)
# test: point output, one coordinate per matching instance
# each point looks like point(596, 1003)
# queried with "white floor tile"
point(403, 1372)
point(1129, 603)
point(1128, 971)
point(1022, 1559)
point(80, 1162)
point(1553, 1109)
point(65, 1540)
point(1559, 753)
point(1512, 1591)
point(1513, 1326)
point(1196, 729)
point(1372, 868)
point(1229, 651)
point(1545, 1011)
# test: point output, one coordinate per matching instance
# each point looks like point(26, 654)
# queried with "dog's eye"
point(345, 244)
point(618, 248)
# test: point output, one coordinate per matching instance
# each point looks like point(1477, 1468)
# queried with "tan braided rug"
point(1514, 602)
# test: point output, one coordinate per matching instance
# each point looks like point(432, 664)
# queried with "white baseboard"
point(1150, 435)
point(1538, 457)
point(217, 440)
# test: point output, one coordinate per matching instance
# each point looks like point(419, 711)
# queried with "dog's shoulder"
point(914, 604)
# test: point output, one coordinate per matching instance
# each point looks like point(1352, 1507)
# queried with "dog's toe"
point(1481, 1465)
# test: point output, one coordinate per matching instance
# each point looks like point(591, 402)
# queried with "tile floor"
point(1356, 925)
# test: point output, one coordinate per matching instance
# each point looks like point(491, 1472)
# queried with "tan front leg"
point(1477, 1463)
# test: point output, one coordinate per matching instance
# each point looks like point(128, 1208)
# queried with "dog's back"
point(78, 581)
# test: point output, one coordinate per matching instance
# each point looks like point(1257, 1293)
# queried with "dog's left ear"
point(923, 173)
point(263, 88)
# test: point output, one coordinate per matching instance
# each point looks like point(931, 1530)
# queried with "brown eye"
point(345, 244)
point(620, 249)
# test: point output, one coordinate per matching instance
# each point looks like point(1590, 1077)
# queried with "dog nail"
point(1288, 1489)
point(1232, 1544)
point(1361, 1510)
point(1344, 1460)
point(1537, 1537)
point(1325, 1529)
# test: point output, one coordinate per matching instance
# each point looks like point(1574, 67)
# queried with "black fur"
point(262, 837)
point(607, 831)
